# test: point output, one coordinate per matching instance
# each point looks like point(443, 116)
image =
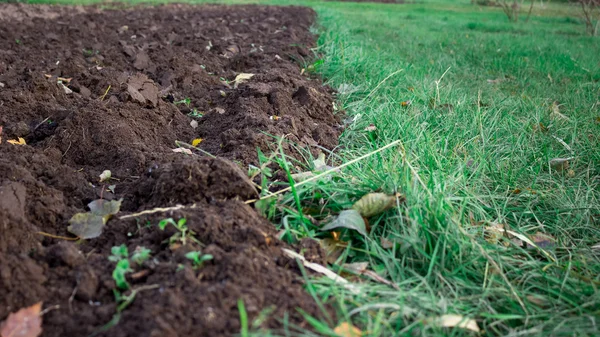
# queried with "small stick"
point(105, 93)
point(157, 210)
point(58, 236)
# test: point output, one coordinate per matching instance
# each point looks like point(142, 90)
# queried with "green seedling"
point(198, 259)
point(140, 255)
point(187, 101)
point(195, 113)
point(120, 255)
point(184, 233)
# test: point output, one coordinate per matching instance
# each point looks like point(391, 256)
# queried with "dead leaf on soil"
point(197, 142)
point(194, 124)
point(26, 322)
point(455, 321)
point(375, 203)
point(86, 225)
point(105, 208)
point(349, 218)
point(105, 176)
point(241, 78)
point(18, 141)
point(182, 150)
point(346, 329)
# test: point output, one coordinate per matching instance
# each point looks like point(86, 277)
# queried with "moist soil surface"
point(92, 89)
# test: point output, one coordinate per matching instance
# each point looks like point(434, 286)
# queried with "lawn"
point(499, 130)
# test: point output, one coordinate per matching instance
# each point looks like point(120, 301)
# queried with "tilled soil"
point(128, 69)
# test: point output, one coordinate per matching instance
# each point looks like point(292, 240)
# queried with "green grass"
point(459, 167)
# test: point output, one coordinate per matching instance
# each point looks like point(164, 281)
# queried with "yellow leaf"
point(20, 141)
point(457, 321)
point(241, 78)
point(197, 142)
point(374, 203)
point(346, 329)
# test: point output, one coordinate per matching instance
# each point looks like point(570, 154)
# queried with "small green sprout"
point(187, 101)
point(184, 232)
point(195, 113)
point(119, 273)
point(198, 259)
point(120, 255)
point(140, 255)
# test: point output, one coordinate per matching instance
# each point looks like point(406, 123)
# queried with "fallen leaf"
point(374, 203)
point(105, 208)
point(194, 124)
point(182, 150)
point(105, 176)
point(19, 141)
point(346, 329)
point(197, 142)
point(371, 128)
point(241, 78)
point(86, 225)
point(493, 233)
point(26, 322)
point(333, 249)
point(456, 321)
point(543, 241)
point(560, 164)
point(349, 218)
point(406, 103)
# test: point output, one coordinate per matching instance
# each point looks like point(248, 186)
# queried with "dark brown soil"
point(128, 67)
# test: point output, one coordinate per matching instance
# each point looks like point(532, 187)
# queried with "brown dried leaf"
point(543, 241)
point(26, 322)
point(560, 164)
point(346, 329)
point(332, 248)
point(374, 203)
